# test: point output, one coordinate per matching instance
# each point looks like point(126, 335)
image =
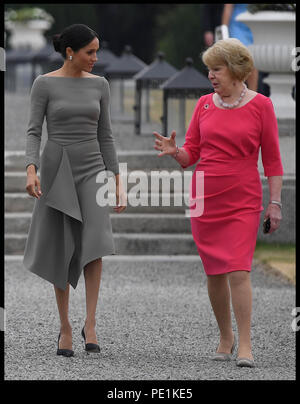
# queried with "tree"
point(132, 24)
point(179, 34)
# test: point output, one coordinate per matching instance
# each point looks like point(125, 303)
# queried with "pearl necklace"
point(236, 103)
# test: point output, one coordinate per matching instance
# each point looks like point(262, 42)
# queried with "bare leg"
point(62, 300)
point(92, 275)
point(219, 294)
point(241, 294)
point(252, 80)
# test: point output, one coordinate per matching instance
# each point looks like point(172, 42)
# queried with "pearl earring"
point(71, 57)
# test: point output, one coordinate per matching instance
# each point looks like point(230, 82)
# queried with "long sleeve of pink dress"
point(226, 142)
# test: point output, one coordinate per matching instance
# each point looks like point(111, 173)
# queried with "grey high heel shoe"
point(220, 356)
point(245, 362)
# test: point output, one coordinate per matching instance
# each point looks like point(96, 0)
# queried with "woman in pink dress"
point(226, 131)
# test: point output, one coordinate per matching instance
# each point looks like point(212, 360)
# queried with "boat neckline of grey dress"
point(68, 77)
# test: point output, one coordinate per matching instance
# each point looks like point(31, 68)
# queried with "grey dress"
point(68, 227)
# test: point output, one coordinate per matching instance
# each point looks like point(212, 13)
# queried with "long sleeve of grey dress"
point(70, 226)
point(38, 105)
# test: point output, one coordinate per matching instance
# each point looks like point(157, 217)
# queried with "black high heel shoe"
point(64, 352)
point(90, 347)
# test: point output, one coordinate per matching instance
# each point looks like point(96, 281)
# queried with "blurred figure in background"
point(240, 31)
point(211, 18)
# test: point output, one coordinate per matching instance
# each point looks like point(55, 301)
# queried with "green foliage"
point(67, 14)
point(254, 8)
point(63, 14)
point(25, 14)
point(132, 24)
point(276, 249)
point(179, 35)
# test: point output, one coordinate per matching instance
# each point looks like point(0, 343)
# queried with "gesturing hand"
point(166, 145)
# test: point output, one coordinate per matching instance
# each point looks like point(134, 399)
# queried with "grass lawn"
point(281, 257)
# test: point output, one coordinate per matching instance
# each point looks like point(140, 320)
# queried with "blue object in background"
point(238, 29)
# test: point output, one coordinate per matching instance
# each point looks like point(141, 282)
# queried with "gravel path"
point(154, 322)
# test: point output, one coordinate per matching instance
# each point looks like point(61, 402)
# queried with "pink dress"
point(228, 143)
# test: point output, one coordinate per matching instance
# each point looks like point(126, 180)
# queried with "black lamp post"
point(120, 75)
point(19, 68)
point(40, 60)
point(148, 95)
point(181, 93)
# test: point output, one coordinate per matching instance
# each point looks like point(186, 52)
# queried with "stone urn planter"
point(29, 34)
point(273, 52)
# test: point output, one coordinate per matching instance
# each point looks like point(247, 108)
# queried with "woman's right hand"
point(33, 186)
point(166, 145)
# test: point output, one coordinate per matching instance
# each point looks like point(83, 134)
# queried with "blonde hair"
point(232, 53)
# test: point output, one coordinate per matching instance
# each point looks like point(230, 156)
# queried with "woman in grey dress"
point(69, 230)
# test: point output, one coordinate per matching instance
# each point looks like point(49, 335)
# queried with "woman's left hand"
point(274, 213)
point(121, 199)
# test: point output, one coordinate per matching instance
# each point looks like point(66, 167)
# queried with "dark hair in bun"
point(75, 36)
